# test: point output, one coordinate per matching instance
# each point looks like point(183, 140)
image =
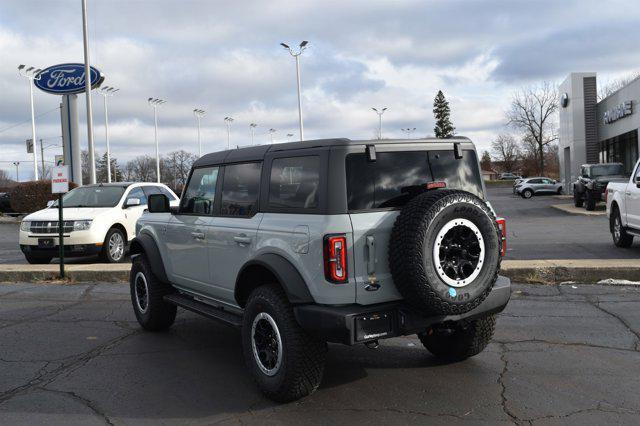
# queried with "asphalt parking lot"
point(73, 354)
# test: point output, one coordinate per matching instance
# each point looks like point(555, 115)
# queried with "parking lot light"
point(271, 132)
point(379, 112)
point(296, 55)
point(252, 129)
point(199, 113)
point(228, 121)
point(107, 91)
point(155, 103)
point(31, 74)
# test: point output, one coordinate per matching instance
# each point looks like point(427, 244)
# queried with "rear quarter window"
point(294, 183)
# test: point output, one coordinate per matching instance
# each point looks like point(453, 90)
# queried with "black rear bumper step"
point(190, 304)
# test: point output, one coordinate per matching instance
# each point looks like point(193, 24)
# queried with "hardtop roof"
point(256, 153)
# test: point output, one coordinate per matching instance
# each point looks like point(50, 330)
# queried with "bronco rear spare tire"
point(444, 252)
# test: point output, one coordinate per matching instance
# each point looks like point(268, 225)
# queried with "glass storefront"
point(621, 149)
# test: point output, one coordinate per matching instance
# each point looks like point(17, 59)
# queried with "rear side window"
point(201, 192)
point(388, 181)
point(240, 189)
point(385, 182)
point(295, 182)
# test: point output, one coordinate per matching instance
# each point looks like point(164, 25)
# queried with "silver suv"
point(341, 241)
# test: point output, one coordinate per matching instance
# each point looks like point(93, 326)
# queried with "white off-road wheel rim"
point(141, 292)
point(265, 340)
point(116, 246)
point(472, 231)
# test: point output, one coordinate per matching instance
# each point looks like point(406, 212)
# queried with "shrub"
point(28, 197)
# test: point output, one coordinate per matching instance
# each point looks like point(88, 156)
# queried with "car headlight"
point(25, 225)
point(81, 225)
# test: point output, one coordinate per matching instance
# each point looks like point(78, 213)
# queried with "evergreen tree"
point(485, 161)
point(101, 169)
point(441, 111)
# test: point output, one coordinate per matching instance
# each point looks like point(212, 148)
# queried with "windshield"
point(607, 170)
point(93, 196)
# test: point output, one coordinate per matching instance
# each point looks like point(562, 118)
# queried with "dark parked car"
point(5, 205)
point(590, 187)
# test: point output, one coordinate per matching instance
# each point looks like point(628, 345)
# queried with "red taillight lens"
point(335, 258)
point(502, 224)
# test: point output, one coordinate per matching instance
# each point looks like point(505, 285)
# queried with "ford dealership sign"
point(64, 79)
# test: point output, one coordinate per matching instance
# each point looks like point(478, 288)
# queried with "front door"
point(186, 236)
point(632, 202)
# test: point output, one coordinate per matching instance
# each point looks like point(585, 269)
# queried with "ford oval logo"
point(66, 78)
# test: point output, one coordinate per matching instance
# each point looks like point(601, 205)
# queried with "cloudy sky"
point(224, 57)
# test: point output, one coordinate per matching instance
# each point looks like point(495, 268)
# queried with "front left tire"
point(113, 248)
point(620, 236)
point(527, 193)
point(37, 260)
point(147, 297)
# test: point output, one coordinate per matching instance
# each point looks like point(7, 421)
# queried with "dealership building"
point(596, 132)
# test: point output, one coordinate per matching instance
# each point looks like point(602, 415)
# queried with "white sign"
point(59, 160)
point(60, 180)
point(618, 112)
point(29, 146)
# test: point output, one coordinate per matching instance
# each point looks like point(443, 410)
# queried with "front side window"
point(295, 183)
point(201, 192)
point(93, 196)
point(240, 189)
point(137, 193)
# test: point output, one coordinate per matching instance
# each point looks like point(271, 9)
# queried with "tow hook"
point(372, 344)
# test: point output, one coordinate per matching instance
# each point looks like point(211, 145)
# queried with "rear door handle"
point(242, 239)
point(198, 235)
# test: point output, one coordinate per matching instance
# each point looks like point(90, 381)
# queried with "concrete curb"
point(520, 271)
point(571, 209)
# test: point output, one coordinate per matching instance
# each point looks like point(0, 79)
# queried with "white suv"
point(98, 219)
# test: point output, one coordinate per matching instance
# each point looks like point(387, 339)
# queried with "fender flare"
point(145, 244)
point(287, 275)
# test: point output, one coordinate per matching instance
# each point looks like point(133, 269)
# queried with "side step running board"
point(204, 309)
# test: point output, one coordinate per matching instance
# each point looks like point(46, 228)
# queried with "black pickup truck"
point(591, 184)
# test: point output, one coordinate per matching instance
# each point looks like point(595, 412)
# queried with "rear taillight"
point(502, 224)
point(335, 258)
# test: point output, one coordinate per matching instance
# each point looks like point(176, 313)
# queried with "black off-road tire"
point(527, 193)
point(158, 315)
point(303, 356)
point(411, 254)
point(590, 205)
point(459, 341)
point(624, 239)
point(578, 201)
point(35, 259)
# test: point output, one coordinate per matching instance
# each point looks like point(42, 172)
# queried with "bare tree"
point(505, 150)
point(4, 178)
point(141, 169)
point(612, 86)
point(533, 111)
point(175, 168)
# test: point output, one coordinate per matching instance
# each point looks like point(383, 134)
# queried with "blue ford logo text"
point(66, 79)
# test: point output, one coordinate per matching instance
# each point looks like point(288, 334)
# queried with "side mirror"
point(50, 203)
point(158, 203)
point(132, 202)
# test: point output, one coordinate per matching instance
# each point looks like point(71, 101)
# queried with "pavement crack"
point(625, 323)
point(503, 385)
point(570, 344)
point(84, 401)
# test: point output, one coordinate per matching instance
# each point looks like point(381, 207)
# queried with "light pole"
point(17, 164)
point(408, 131)
point(87, 89)
point(42, 148)
point(289, 136)
point(107, 91)
point(199, 113)
point(228, 121)
point(379, 120)
point(296, 55)
point(271, 132)
point(252, 129)
point(32, 73)
point(155, 103)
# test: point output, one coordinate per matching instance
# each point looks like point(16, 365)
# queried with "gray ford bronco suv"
point(340, 241)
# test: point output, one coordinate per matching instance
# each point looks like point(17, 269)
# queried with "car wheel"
point(113, 248)
point(444, 252)
point(37, 260)
point(459, 341)
point(577, 199)
point(620, 236)
point(591, 202)
point(527, 193)
point(286, 362)
point(147, 297)
point(559, 191)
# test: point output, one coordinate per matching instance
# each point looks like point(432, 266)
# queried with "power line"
point(27, 121)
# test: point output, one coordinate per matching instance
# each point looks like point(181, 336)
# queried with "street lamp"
point(31, 74)
point(289, 136)
point(408, 131)
point(17, 164)
point(271, 132)
point(107, 91)
point(199, 113)
point(252, 129)
point(155, 103)
point(296, 55)
point(228, 121)
point(380, 112)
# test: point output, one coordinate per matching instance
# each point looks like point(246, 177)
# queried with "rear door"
point(377, 190)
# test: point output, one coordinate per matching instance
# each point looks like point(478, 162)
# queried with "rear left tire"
point(527, 193)
point(590, 205)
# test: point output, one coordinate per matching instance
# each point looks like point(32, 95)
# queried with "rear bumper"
point(353, 324)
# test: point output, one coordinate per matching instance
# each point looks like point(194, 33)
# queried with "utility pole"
point(296, 55)
point(87, 88)
point(41, 156)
